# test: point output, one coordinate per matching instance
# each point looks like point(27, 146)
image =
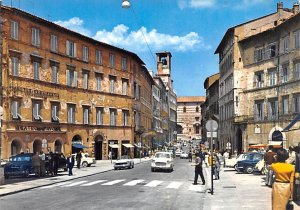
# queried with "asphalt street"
point(136, 188)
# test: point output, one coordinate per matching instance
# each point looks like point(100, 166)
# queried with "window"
point(271, 51)
point(112, 60)
point(197, 108)
point(53, 43)
point(36, 110)
point(272, 77)
point(99, 116)
point(259, 79)
point(85, 78)
point(259, 111)
point(124, 64)
point(112, 81)
point(36, 70)
point(15, 66)
point(86, 114)
point(296, 39)
point(285, 105)
point(98, 57)
point(136, 91)
point(70, 48)
point(272, 109)
point(124, 86)
point(85, 53)
point(98, 82)
point(258, 54)
point(125, 114)
point(15, 110)
point(113, 113)
point(71, 113)
point(71, 78)
point(35, 37)
point(54, 112)
point(54, 74)
point(14, 30)
point(297, 70)
point(286, 44)
point(296, 103)
point(285, 73)
point(184, 109)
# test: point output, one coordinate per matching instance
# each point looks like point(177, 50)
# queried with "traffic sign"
point(211, 125)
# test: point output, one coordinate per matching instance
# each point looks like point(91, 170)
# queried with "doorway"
point(98, 147)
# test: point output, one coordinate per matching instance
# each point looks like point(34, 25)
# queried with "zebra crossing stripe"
point(93, 183)
point(134, 182)
point(198, 188)
point(55, 185)
point(153, 183)
point(114, 182)
point(174, 185)
point(74, 184)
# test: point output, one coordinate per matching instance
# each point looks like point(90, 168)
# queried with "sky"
point(190, 29)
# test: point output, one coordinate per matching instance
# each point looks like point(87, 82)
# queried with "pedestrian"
point(50, 164)
point(198, 169)
point(55, 158)
point(70, 164)
point(190, 156)
point(78, 159)
point(225, 157)
point(269, 158)
point(297, 174)
point(43, 163)
point(216, 166)
point(283, 184)
point(36, 164)
point(292, 155)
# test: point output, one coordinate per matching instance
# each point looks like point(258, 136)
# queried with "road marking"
point(153, 183)
point(198, 188)
point(74, 184)
point(93, 183)
point(174, 185)
point(114, 182)
point(55, 185)
point(134, 182)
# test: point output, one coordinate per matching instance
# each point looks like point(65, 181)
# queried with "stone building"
point(189, 117)
point(252, 66)
point(63, 91)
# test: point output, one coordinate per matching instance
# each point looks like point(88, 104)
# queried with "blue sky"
point(190, 29)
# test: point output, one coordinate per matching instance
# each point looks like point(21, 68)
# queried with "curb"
point(43, 185)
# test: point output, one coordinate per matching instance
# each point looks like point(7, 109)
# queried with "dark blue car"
point(19, 165)
point(247, 164)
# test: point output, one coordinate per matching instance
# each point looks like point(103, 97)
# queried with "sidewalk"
point(237, 191)
point(100, 167)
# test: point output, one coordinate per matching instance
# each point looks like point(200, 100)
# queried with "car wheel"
point(84, 164)
point(26, 174)
point(115, 168)
point(133, 165)
point(249, 169)
point(89, 165)
point(235, 167)
point(152, 169)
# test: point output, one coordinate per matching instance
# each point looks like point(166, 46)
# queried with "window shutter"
point(38, 41)
point(15, 109)
point(276, 109)
point(269, 110)
point(75, 78)
point(293, 105)
point(67, 47)
point(68, 77)
point(75, 49)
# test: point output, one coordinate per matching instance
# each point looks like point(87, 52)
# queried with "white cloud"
point(196, 3)
point(74, 24)
point(137, 40)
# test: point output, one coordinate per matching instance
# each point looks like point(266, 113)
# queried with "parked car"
point(19, 165)
point(3, 162)
point(62, 161)
point(260, 167)
point(86, 161)
point(184, 155)
point(124, 162)
point(178, 153)
point(247, 164)
point(231, 163)
point(163, 161)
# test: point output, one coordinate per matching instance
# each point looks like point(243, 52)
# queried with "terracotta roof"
point(187, 99)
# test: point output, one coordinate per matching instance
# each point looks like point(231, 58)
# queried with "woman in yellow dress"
point(284, 178)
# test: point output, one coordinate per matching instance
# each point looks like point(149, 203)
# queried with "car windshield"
point(123, 157)
point(162, 155)
point(20, 159)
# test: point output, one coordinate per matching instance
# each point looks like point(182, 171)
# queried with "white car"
point(184, 155)
point(162, 161)
point(86, 161)
point(178, 153)
point(124, 162)
point(232, 162)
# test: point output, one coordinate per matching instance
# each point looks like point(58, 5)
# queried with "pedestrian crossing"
point(130, 183)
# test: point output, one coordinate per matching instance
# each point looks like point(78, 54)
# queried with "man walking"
point(198, 169)
point(78, 159)
point(269, 158)
point(70, 164)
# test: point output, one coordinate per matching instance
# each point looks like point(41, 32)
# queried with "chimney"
point(279, 6)
point(295, 8)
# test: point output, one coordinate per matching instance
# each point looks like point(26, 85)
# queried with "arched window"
point(184, 109)
point(197, 108)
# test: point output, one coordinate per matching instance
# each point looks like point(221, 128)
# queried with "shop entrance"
point(98, 147)
point(37, 146)
point(58, 146)
point(16, 147)
point(77, 144)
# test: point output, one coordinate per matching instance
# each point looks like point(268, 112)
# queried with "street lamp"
point(126, 4)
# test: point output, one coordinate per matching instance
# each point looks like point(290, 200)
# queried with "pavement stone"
point(100, 167)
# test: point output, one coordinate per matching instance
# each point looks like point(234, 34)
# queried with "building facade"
point(189, 117)
point(63, 91)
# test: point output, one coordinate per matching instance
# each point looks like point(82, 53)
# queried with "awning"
point(275, 144)
point(79, 146)
point(257, 146)
point(114, 146)
point(294, 121)
point(128, 145)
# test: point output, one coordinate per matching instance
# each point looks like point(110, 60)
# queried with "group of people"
point(39, 164)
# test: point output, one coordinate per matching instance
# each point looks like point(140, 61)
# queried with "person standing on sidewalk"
point(190, 156)
point(36, 164)
point(78, 159)
point(284, 180)
point(225, 157)
point(43, 163)
point(269, 158)
point(70, 164)
point(198, 169)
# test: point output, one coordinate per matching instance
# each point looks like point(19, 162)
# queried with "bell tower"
point(164, 67)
